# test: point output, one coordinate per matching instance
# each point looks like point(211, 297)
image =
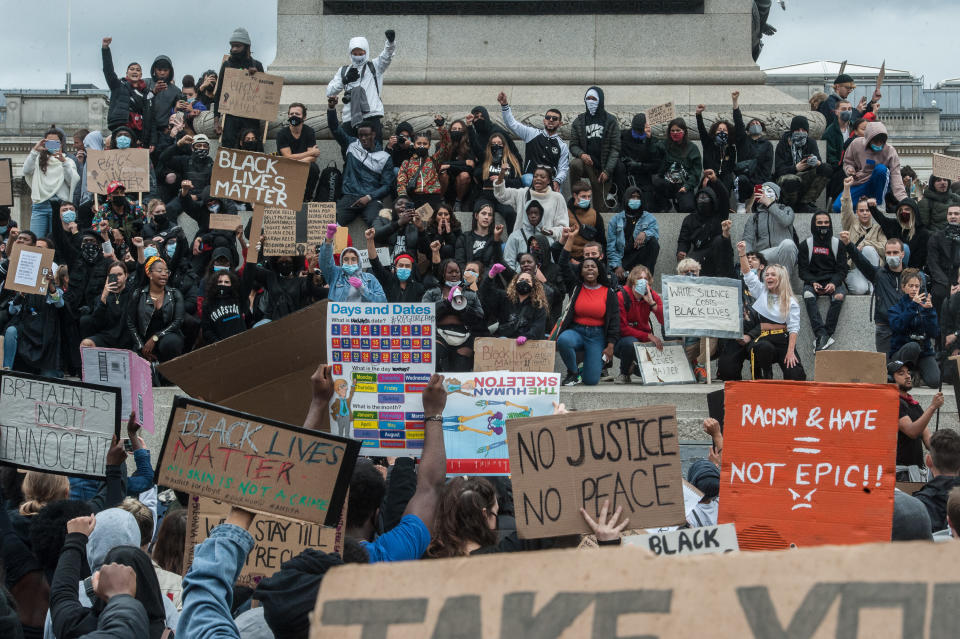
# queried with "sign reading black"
point(507, 7)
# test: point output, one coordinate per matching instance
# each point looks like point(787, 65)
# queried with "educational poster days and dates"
point(57, 426)
point(382, 356)
point(478, 406)
point(256, 463)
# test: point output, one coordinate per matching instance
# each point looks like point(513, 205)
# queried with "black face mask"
point(456, 136)
point(223, 291)
point(422, 151)
point(285, 268)
point(201, 154)
point(496, 151)
point(705, 207)
point(236, 57)
point(118, 200)
point(481, 125)
point(295, 120)
point(524, 287)
point(89, 251)
point(249, 146)
point(160, 220)
point(823, 231)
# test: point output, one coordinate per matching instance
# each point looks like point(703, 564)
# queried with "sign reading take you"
point(256, 463)
point(57, 426)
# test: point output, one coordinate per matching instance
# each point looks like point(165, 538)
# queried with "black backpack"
point(330, 184)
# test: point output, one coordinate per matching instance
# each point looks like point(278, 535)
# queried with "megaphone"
point(457, 300)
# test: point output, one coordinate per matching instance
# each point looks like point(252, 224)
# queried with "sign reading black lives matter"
point(702, 306)
point(57, 426)
point(257, 178)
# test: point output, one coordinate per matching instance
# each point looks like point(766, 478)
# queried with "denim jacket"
point(616, 242)
point(208, 585)
point(339, 281)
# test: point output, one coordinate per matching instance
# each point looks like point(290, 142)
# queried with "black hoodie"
point(820, 258)
point(288, 597)
point(597, 135)
point(701, 234)
point(480, 133)
point(165, 101)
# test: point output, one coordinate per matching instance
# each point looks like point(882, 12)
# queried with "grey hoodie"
point(768, 226)
point(517, 241)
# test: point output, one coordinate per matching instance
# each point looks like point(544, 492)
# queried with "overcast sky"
point(917, 36)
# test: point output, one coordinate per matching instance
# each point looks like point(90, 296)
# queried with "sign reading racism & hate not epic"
point(256, 463)
point(57, 426)
point(561, 463)
point(808, 463)
point(257, 178)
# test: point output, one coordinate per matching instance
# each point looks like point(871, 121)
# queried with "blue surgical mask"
point(219, 269)
point(123, 142)
point(67, 216)
point(4, 229)
point(638, 136)
point(350, 269)
point(403, 274)
point(876, 147)
point(150, 251)
point(213, 208)
point(583, 204)
point(171, 248)
point(452, 284)
point(641, 287)
point(634, 205)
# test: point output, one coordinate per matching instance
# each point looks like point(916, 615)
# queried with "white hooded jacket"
point(370, 86)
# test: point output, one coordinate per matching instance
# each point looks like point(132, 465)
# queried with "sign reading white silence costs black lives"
point(702, 306)
point(57, 426)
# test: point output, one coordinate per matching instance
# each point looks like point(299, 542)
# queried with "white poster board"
point(667, 366)
point(57, 426)
point(702, 306)
point(688, 541)
point(382, 252)
point(127, 371)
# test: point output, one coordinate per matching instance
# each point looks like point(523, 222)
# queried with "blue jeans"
point(591, 340)
point(626, 353)
point(10, 338)
point(41, 214)
point(876, 187)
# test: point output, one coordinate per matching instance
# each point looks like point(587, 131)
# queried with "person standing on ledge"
point(362, 82)
point(240, 58)
point(595, 147)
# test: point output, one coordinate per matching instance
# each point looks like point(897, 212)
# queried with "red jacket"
point(635, 320)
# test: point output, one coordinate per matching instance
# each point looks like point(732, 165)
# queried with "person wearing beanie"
point(361, 82)
point(799, 170)
point(240, 58)
point(544, 147)
point(595, 147)
point(163, 94)
point(190, 159)
point(130, 103)
point(874, 165)
point(400, 145)
point(400, 284)
point(843, 86)
point(640, 157)
point(348, 282)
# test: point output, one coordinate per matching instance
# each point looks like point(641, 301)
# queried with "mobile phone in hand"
point(128, 445)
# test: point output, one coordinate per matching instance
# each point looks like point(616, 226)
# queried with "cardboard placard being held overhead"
point(130, 166)
point(225, 221)
point(561, 463)
point(6, 182)
point(258, 178)
point(319, 215)
point(57, 426)
point(495, 354)
point(946, 166)
point(852, 367)
point(255, 463)
point(660, 114)
point(808, 463)
point(881, 75)
point(865, 591)
point(126, 371)
point(247, 95)
point(275, 539)
point(280, 232)
point(264, 371)
point(28, 267)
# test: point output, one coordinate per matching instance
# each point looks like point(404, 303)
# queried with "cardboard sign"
point(874, 590)
point(57, 426)
point(225, 221)
point(855, 367)
point(881, 75)
point(425, 212)
point(341, 240)
point(255, 96)
point(126, 371)
point(28, 267)
point(255, 463)
point(478, 406)
point(130, 166)
point(661, 114)
point(319, 215)
point(280, 231)
point(6, 182)
point(497, 354)
point(808, 463)
point(667, 366)
point(702, 306)
point(383, 254)
point(708, 540)
point(946, 166)
point(256, 228)
point(383, 356)
point(561, 463)
point(276, 539)
point(257, 178)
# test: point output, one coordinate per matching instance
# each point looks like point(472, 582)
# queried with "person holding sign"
point(637, 301)
point(32, 338)
point(240, 58)
point(52, 184)
point(348, 283)
point(779, 321)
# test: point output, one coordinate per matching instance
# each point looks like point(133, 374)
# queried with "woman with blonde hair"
point(499, 165)
point(779, 321)
point(39, 489)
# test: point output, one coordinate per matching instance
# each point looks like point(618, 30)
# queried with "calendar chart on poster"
point(382, 355)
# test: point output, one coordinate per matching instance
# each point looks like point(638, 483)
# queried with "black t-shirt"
point(909, 451)
point(308, 138)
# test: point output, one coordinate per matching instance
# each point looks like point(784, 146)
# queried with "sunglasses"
point(552, 118)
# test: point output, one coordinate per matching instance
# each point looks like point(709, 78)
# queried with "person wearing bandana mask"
point(120, 212)
point(239, 58)
point(874, 165)
point(822, 266)
point(190, 158)
point(721, 144)
point(347, 282)
point(799, 171)
point(595, 146)
point(129, 99)
point(633, 237)
point(298, 141)
point(221, 316)
point(361, 82)
point(640, 158)
point(250, 141)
